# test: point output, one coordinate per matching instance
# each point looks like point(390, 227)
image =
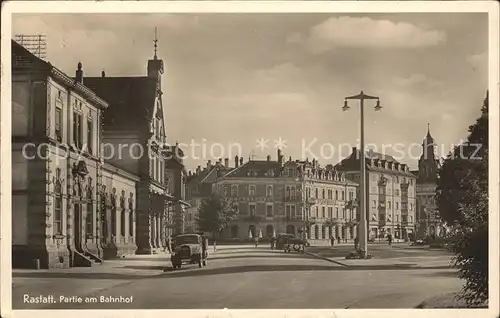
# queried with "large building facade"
point(57, 167)
point(391, 193)
point(295, 197)
point(135, 136)
point(428, 221)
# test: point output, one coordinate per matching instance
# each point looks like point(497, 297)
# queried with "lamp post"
point(363, 229)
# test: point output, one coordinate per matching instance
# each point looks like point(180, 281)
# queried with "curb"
point(326, 259)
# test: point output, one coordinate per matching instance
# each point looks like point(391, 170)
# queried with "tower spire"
point(156, 43)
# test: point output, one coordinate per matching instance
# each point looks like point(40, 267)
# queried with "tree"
point(216, 213)
point(462, 201)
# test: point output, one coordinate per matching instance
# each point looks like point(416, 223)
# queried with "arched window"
point(269, 191)
point(131, 216)
point(58, 205)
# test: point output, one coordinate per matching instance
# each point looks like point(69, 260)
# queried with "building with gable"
point(390, 193)
point(428, 221)
point(134, 140)
point(58, 219)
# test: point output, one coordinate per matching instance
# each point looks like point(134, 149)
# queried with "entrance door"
point(78, 227)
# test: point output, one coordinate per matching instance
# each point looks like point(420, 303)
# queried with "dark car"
point(189, 249)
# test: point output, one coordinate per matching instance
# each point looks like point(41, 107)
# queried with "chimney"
point(280, 157)
point(268, 158)
point(241, 161)
point(209, 164)
point(226, 162)
point(236, 162)
point(79, 73)
point(103, 74)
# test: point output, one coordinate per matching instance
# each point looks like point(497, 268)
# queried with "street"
point(241, 277)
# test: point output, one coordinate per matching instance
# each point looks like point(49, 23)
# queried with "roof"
point(256, 169)
point(131, 99)
point(23, 59)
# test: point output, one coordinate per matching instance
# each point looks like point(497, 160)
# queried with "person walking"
point(332, 240)
point(215, 245)
point(256, 241)
point(389, 239)
point(273, 242)
point(338, 239)
point(356, 243)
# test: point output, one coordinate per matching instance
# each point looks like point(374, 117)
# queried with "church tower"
point(155, 66)
point(428, 164)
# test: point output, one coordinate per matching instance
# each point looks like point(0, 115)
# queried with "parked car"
point(189, 249)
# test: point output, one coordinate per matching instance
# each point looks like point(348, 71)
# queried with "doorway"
point(78, 227)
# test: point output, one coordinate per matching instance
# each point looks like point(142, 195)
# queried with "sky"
point(233, 79)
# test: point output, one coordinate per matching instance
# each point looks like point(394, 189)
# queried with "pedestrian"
point(338, 239)
point(215, 245)
point(356, 243)
point(332, 240)
point(273, 241)
point(256, 241)
point(389, 239)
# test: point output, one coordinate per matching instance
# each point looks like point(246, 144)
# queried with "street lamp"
point(363, 226)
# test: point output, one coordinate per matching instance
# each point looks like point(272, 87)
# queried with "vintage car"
point(288, 243)
point(189, 249)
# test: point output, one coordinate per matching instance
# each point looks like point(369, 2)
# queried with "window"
point(293, 211)
point(290, 172)
point(77, 130)
point(323, 212)
point(90, 136)
point(316, 194)
point(269, 211)
point(343, 213)
point(336, 213)
point(58, 124)
point(397, 191)
point(308, 192)
point(251, 191)
point(397, 218)
point(287, 212)
point(323, 194)
point(389, 204)
point(343, 195)
point(58, 205)
point(287, 192)
point(251, 209)
point(351, 195)
point(330, 194)
point(234, 191)
point(131, 219)
point(397, 205)
point(336, 194)
point(293, 193)
point(122, 221)
point(330, 212)
point(89, 220)
point(269, 191)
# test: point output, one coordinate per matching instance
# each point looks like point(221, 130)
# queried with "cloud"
point(366, 32)
point(478, 60)
point(295, 38)
point(417, 80)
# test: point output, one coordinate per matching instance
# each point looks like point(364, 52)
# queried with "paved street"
point(239, 277)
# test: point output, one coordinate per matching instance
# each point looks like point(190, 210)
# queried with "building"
point(176, 176)
point(199, 186)
point(428, 220)
point(134, 140)
point(390, 190)
point(295, 197)
point(58, 168)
